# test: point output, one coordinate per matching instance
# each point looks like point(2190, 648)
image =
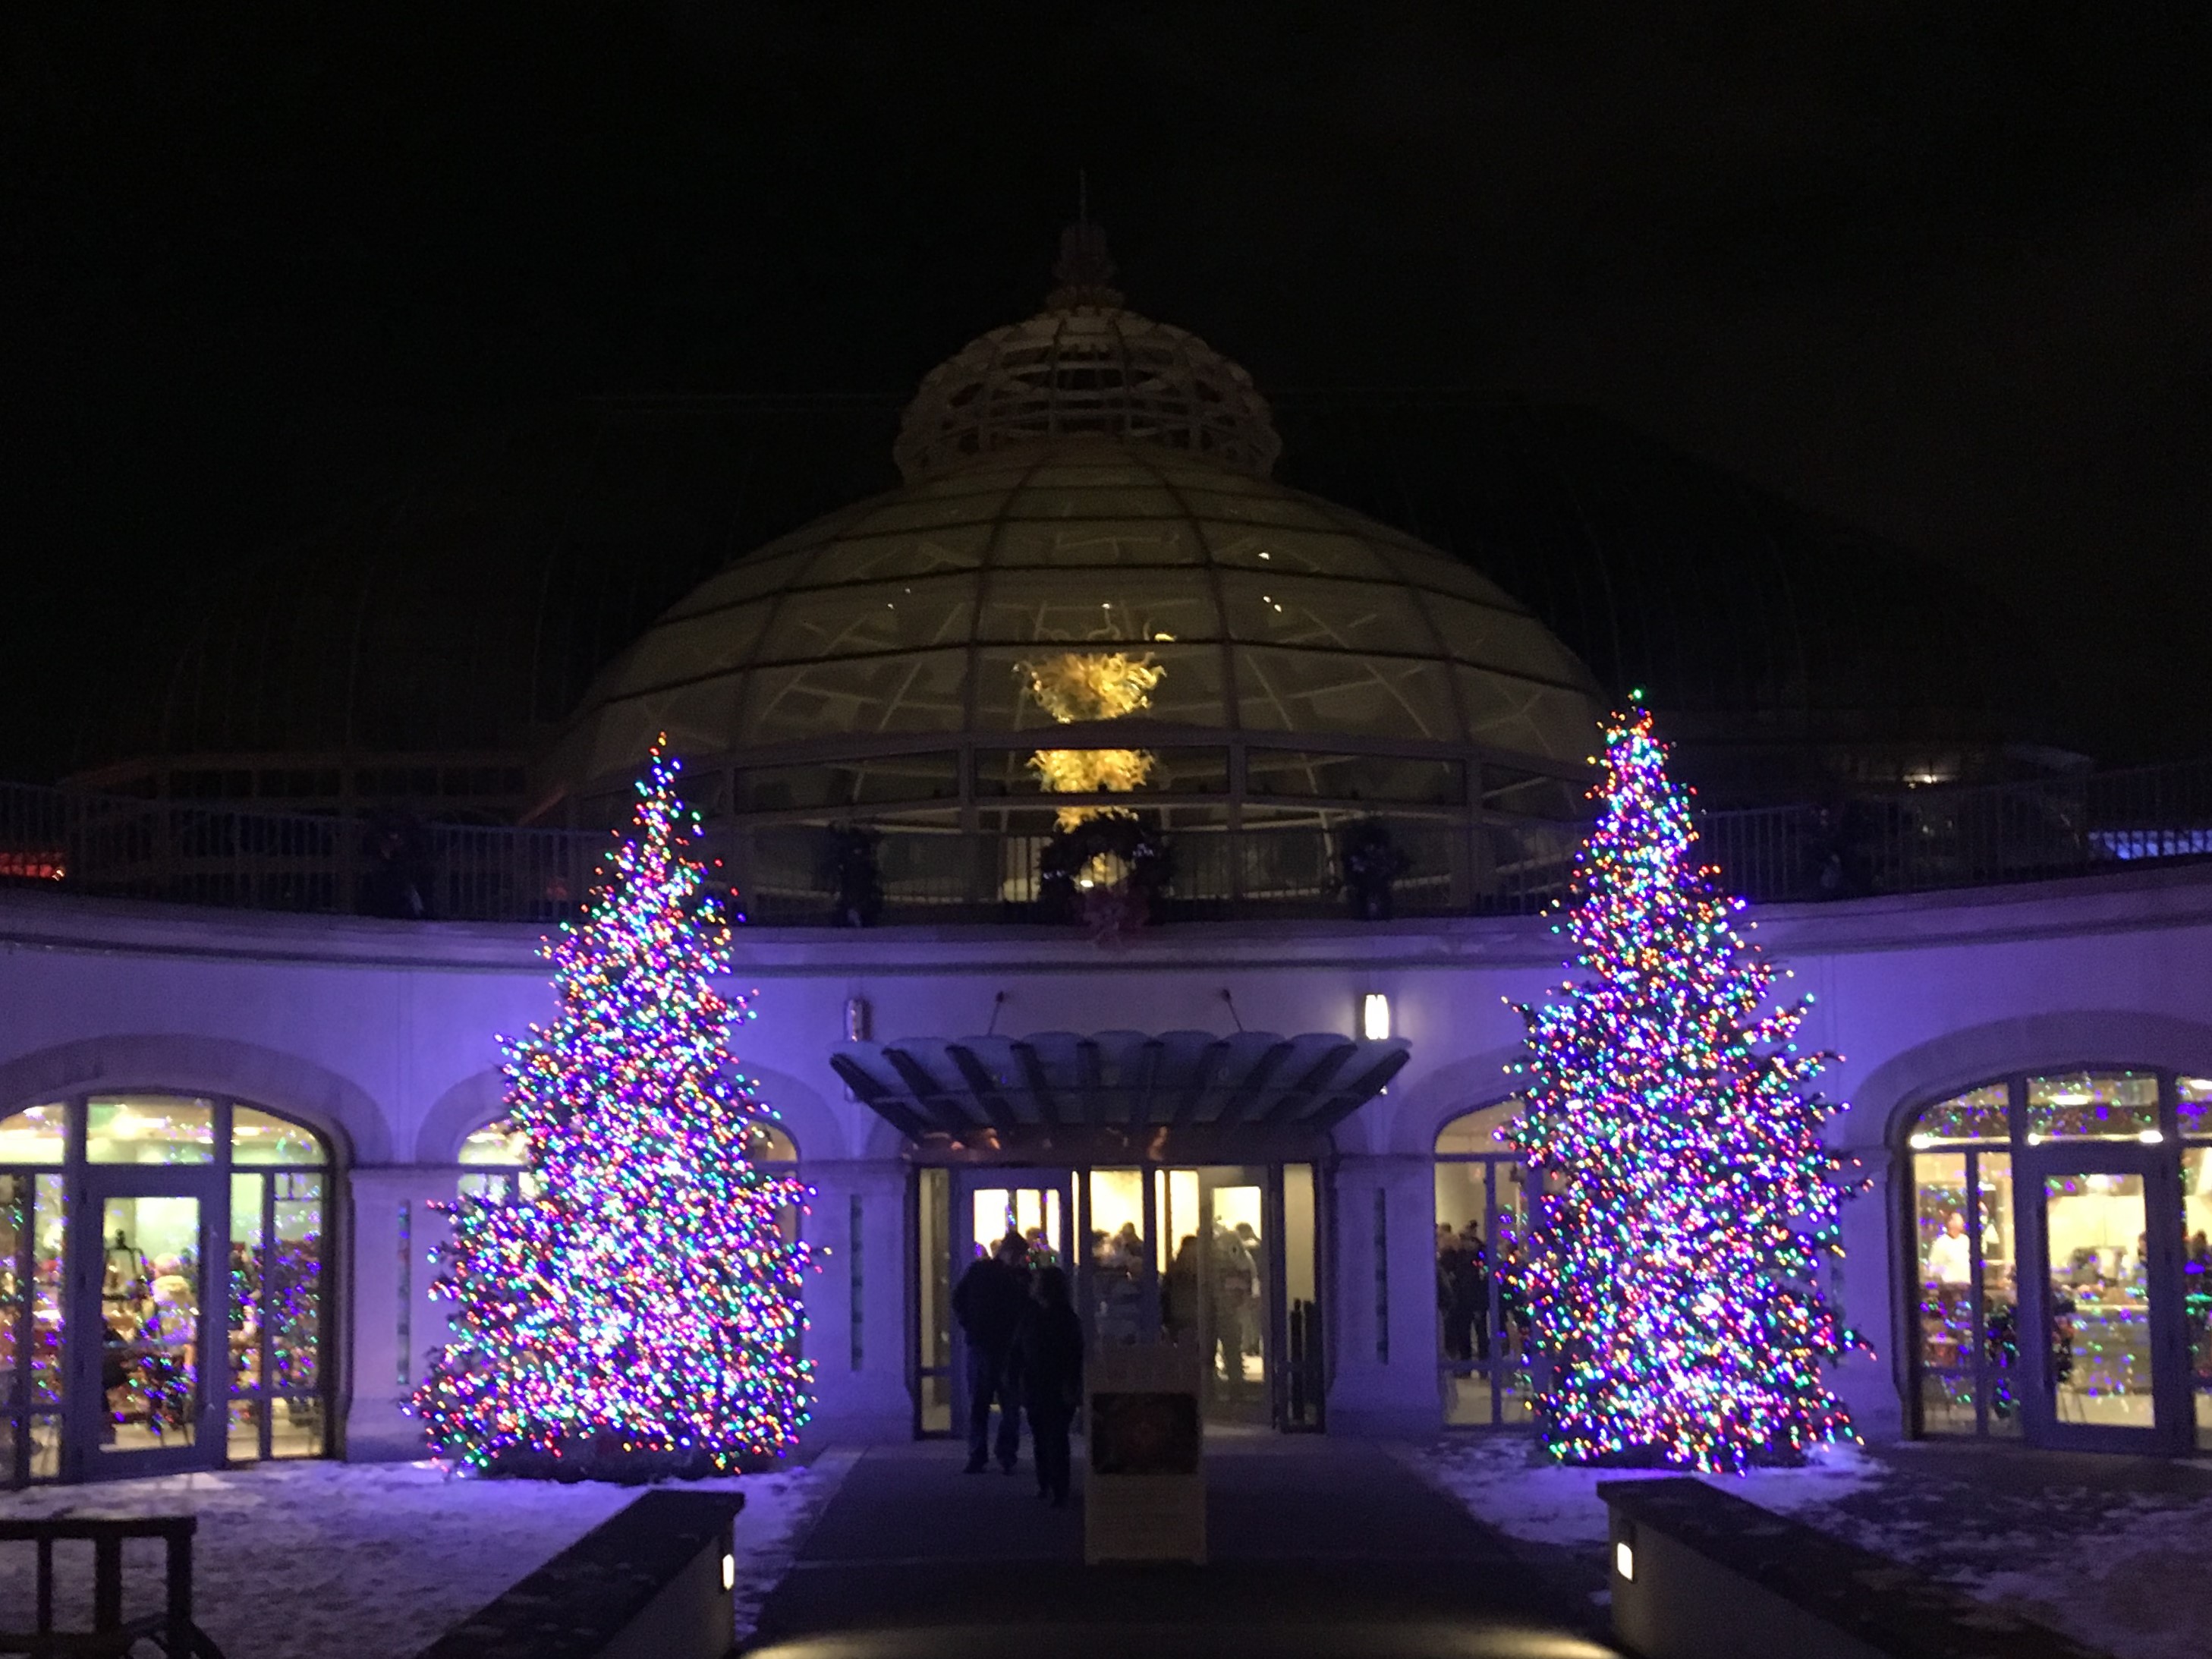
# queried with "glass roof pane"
point(1301, 772)
point(1113, 470)
point(1096, 542)
point(1289, 609)
point(264, 1137)
point(1296, 552)
point(916, 693)
point(1501, 639)
point(902, 515)
point(1276, 510)
point(1425, 568)
point(39, 1135)
point(749, 577)
point(838, 783)
point(1285, 691)
point(889, 558)
point(1099, 607)
point(1189, 689)
point(1147, 501)
point(1525, 718)
point(688, 647)
point(872, 616)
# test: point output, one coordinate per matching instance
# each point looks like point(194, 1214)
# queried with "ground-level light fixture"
point(1624, 1560)
point(1375, 1016)
point(729, 1572)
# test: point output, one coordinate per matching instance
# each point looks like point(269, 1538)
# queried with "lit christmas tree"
point(1688, 1198)
point(631, 1310)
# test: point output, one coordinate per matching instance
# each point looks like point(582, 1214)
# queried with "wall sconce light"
point(1375, 1016)
point(1624, 1561)
point(856, 1019)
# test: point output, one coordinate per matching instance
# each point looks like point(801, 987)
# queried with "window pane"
point(496, 1143)
point(150, 1129)
point(2093, 1106)
point(246, 1266)
point(2197, 1282)
point(294, 1291)
point(2193, 1104)
point(2000, 1293)
point(1979, 1115)
point(150, 1298)
point(1117, 1255)
point(2099, 1357)
point(1946, 1255)
point(1478, 1132)
point(262, 1137)
point(49, 1229)
point(38, 1135)
point(1281, 689)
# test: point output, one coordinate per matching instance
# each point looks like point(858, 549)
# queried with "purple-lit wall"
point(382, 1033)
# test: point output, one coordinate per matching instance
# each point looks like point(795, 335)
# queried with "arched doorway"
point(2058, 1258)
point(197, 1335)
point(1483, 1208)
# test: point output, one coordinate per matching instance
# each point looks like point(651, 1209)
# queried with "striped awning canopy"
point(1117, 1092)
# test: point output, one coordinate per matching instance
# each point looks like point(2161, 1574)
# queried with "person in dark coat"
point(1048, 1359)
point(988, 1302)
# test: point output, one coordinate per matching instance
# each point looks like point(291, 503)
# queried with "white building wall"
point(384, 1035)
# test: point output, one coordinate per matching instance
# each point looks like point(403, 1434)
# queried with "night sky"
point(1944, 271)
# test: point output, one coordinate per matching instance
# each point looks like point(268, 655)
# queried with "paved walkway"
point(1321, 1549)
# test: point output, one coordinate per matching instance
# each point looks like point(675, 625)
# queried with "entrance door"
point(150, 1367)
point(1034, 1206)
point(1214, 1290)
point(2102, 1285)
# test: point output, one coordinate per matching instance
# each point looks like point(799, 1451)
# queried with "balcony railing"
point(1911, 841)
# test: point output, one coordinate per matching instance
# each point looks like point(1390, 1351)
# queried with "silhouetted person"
point(1048, 1360)
point(989, 1302)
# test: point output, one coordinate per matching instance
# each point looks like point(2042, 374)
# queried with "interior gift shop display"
point(2060, 1258)
point(164, 1287)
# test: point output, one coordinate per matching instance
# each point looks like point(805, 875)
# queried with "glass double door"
point(2102, 1298)
point(1221, 1257)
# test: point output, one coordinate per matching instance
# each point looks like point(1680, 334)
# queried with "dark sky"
point(1944, 271)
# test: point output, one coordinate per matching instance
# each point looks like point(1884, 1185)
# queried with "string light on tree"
point(633, 1311)
point(1688, 1199)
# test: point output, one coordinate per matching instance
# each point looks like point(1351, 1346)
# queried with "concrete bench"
point(650, 1583)
point(1698, 1573)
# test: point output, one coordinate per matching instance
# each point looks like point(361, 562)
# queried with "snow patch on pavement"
point(374, 1560)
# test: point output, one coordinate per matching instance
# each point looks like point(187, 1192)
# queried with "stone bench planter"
point(650, 1583)
point(1698, 1573)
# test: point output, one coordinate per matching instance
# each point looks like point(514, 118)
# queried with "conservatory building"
point(1139, 855)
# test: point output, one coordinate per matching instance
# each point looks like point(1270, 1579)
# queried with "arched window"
point(1482, 1212)
point(495, 1162)
point(220, 1225)
point(2050, 1246)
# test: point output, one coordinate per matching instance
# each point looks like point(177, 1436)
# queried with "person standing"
point(988, 1302)
point(1048, 1360)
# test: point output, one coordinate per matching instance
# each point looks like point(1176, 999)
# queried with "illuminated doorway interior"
point(196, 1336)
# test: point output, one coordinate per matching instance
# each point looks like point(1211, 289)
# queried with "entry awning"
point(1124, 1089)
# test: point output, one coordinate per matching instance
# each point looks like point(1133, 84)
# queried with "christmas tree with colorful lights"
point(1688, 1199)
point(629, 1308)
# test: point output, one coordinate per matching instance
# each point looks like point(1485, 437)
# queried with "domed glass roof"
point(1272, 634)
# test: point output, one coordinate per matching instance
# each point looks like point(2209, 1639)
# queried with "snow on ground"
point(2114, 1555)
point(376, 1560)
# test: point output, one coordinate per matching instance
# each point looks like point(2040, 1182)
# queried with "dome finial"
point(1083, 270)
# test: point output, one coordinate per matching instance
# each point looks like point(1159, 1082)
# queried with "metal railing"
point(1909, 841)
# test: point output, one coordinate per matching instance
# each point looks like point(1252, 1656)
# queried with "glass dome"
point(919, 647)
